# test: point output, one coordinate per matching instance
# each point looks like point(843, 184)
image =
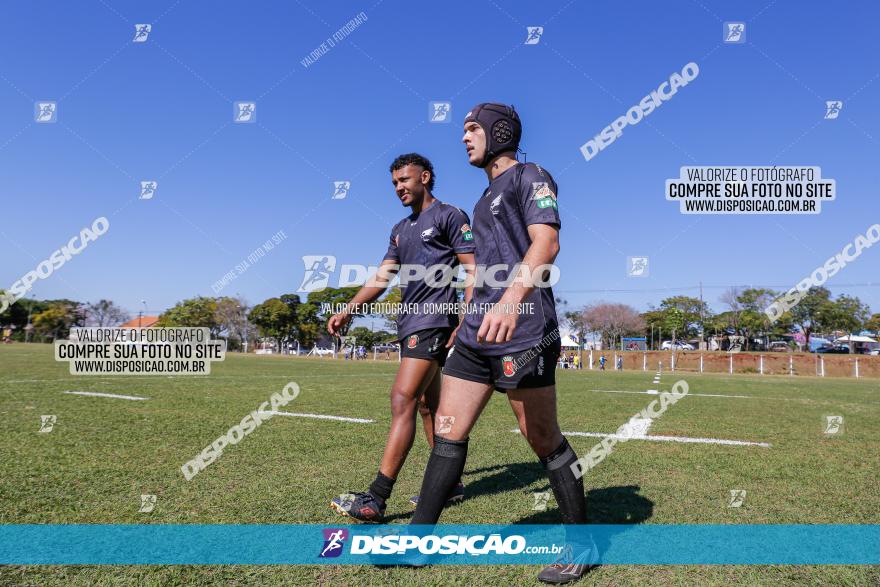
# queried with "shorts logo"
point(466, 232)
point(333, 541)
point(541, 365)
point(412, 341)
point(434, 345)
point(508, 366)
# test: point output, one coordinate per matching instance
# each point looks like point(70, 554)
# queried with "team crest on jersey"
point(466, 232)
point(427, 234)
point(508, 366)
point(542, 193)
point(541, 189)
point(495, 206)
point(412, 341)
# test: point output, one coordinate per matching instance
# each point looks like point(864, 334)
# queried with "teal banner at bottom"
point(641, 544)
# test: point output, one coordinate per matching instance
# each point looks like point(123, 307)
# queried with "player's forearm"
point(542, 252)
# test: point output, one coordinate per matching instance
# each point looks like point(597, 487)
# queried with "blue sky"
point(163, 110)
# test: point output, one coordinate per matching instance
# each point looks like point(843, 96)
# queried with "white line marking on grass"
point(654, 392)
point(661, 438)
point(114, 395)
point(321, 417)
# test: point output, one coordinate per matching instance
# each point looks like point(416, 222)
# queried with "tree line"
point(688, 318)
point(288, 318)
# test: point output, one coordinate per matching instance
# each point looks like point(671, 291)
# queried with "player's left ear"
point(426, 177)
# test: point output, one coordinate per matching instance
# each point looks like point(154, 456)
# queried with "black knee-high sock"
point(568, 489)
point(382, 486)
point(442, 473)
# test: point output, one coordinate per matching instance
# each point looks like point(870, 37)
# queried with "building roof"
point(141, 322)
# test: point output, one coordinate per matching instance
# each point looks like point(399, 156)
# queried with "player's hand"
point(338, 322)
point(498, 324)
point(452, 336)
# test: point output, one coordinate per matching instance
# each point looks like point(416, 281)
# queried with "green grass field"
point(104, 453)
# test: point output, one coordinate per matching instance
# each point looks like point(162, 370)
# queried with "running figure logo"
point(637, 266)
point(141, 32)
point(318, 269)
point(534, 34)
point(737, 497)
point(833, 424)
point(148, 504)
point(245, 112)
point(444, 424)
point(541, 499)
point(734, 32)
point(440, 112)
point(47, 423)
point(148, 190)
point(46, 112)
point(340, 189)
point(832, 109)
point(333, 541)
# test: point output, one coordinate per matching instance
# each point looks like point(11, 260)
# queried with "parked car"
point(678, 346)
point(874, 352)
point(779, 346)
point(838, 349)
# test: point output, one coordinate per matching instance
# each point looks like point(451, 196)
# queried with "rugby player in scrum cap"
point(435, 233)
point(509, 349)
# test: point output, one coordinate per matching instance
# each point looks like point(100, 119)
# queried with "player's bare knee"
point(402, 403)
point(543, 438)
